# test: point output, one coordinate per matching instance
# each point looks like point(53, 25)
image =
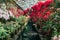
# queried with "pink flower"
point(20, 12)
point(1, 11)
point(12, 10)
point(11, 14)
point(6, 16)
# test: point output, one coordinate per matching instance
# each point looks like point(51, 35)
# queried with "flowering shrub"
point(10, 21)
point(40, 11)
point(46, 18)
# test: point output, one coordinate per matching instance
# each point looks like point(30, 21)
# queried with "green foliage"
point(3, 33)
point(8, 27)
point(57, 3)
point(1, 1)
point(22, 20)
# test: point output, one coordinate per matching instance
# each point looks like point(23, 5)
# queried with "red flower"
point(39, 6)
point(16, 15)
point(32, 14)
point(39, 15)
point(34, 7)
point(44, 10)
point(12, 10)
point(50, 0)
point(26, 11)
point(45, 17)
point(34, 19)
point(47, 3)
point(40, 3)
point(48, 13)
point(20, 12)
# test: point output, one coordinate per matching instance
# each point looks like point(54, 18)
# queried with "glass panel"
point(26, 3)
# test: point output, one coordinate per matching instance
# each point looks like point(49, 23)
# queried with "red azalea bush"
point(40, 14)
point(40, 11)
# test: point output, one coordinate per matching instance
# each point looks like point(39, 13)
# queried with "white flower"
point(11, 14)
point(6, 16)
point(1, 11)
point(0, 15)
point(3, 6)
